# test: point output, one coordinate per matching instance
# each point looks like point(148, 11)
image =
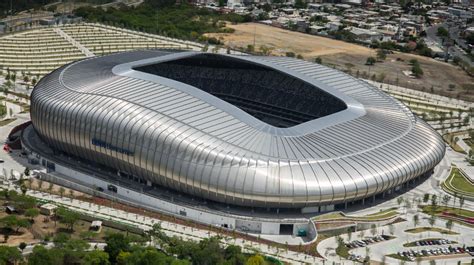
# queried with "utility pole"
point(254, 34)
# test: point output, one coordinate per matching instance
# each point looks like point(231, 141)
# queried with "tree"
point(250, 48)
point(373, 229)
point(318, 60)
point(43, 256)
point(96, 257)
point(40, 184)
point(399, 201)
point(11, 222)
point(233, 254)
point(27, 171)
point(416, 220)
point(115, 243)
point(416, 70)
point(300, 4)
point(265, 50)
point(381, 56)
point(446, 199)
point(255, 260)
point(9, 255)
point(23, 189)
point(461, 201)
point(370, 61)
point(426, 197)
point(22, 246)
point(449, 224)
point(32, 213)
point(442, 32)
point(157, 235)
point(67, 217)
point(434, 201)
point(432, 220)
point(61, 191)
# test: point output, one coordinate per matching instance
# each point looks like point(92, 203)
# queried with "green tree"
point(67, 217)
point(32, 213)
point(62, 191)
point(416, 220)
point(381, 56)
point(449, 224)
point(60, 239)
point(373, 229)
point(96, 257)
point(255, 260)
point(157, 235)
point(432, 220)
point(370, 61)
point(442, 32)
point(9, 255)
point(434, 201)
point(426, 197)
point(446, 199)
point(416, 70)
point(43, 256)
point(115, 243)
point(318, 60)
point(233, 254)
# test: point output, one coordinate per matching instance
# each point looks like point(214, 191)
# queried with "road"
point(431, 35)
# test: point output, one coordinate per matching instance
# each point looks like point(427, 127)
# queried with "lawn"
point(428, 209)
point(396, 256)
point(413, 244)
point(430, 229)
point(457, 181)
point(342, 251)
point(387, 213)
point(6, 121)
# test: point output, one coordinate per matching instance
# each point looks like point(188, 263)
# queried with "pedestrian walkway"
point(76, 44)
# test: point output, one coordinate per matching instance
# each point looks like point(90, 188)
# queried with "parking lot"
point(367, 241)
point(413, 254)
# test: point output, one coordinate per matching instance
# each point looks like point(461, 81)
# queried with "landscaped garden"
point(456, 183)
point(430, 229)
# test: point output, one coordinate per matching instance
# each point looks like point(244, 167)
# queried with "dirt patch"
point(437, 77)
point(285, 41)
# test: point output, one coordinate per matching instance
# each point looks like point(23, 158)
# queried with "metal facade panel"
point(176, 136)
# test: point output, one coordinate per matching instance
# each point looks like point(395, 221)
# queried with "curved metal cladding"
point(181, 137)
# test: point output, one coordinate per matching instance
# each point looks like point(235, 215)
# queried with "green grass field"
point(457, 183)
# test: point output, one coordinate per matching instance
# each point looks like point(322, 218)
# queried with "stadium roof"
point(186, 138)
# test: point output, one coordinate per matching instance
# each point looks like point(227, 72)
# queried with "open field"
point(347, 56)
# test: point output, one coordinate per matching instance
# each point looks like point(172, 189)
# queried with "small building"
point(365, 35)
point(48, 209)
point(96, 226)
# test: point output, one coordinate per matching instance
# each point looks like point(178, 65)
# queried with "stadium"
point(244, 131)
